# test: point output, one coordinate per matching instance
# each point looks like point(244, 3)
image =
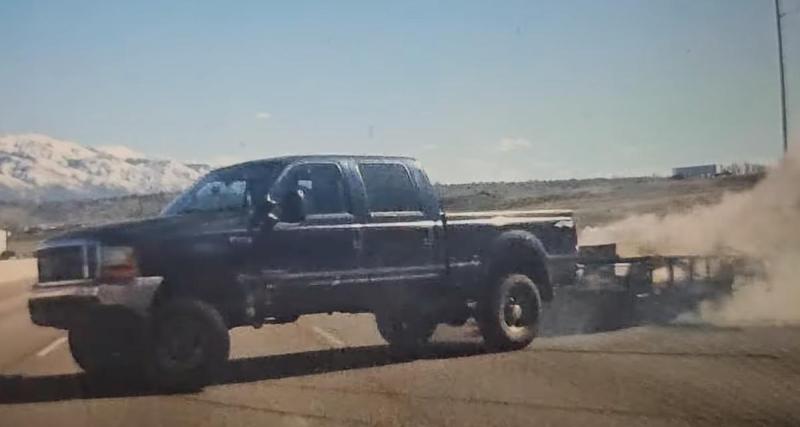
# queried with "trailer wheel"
point(404, 331)
point(508, 313)
point(190, 345)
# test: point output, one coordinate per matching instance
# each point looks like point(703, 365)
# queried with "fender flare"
point(176, 286)
point(520, 251)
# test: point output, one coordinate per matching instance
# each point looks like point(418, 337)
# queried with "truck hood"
point(146, 230)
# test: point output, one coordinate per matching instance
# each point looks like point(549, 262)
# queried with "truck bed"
point(546, 214)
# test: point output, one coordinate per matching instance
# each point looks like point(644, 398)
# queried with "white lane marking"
point(50, 347)
point(329, 337)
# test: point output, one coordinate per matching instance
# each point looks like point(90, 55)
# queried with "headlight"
point(118, 263)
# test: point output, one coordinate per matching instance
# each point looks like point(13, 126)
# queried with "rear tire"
point(190, 345)
point(404, 331)
point(508, 314)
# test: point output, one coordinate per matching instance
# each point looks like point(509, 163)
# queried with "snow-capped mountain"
point(36, 166)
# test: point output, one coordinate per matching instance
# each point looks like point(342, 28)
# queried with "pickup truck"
point(270, 240)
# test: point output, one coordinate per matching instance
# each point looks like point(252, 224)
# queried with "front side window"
point(323, 187)
point(389, 188)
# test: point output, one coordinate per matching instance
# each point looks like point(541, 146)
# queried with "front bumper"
point(62, 306)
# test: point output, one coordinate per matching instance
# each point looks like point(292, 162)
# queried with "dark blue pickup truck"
point(270, 240)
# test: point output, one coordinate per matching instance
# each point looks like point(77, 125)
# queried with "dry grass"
point(596, 202)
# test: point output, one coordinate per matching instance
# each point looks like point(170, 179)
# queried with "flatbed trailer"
point(612, 291)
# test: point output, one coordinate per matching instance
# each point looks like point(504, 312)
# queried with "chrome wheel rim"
point(519, 308)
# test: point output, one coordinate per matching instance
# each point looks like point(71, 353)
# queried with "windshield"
point(231, 189)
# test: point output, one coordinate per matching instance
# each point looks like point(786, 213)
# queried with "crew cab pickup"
point(270, 240)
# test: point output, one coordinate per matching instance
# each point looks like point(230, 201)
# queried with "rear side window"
point(389, 188)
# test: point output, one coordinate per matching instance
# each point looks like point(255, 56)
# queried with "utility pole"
point(778, 16)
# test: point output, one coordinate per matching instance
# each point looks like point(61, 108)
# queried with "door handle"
point(358, 239)
point(240, 240)
point(428, 239)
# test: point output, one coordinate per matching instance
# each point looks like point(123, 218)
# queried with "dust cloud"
point(762, 223)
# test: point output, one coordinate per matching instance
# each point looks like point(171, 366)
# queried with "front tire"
point(190, 345)
point(508, 314)
point(105, 352)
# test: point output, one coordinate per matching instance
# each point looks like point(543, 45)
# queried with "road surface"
point(334, 370)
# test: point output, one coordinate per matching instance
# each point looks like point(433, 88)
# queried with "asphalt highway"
point(335, 370)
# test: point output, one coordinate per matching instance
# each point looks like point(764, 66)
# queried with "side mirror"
point(293, 208)
point(269, 204)
point(262, 214)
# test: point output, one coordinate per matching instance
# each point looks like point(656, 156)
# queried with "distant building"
point(702, 171)
point(3, 240)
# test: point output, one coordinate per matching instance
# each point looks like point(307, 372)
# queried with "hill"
point(39, 167)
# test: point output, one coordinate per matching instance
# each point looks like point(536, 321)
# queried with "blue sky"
point(477, 90)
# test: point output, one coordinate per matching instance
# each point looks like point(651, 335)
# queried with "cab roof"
point(285, 160)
